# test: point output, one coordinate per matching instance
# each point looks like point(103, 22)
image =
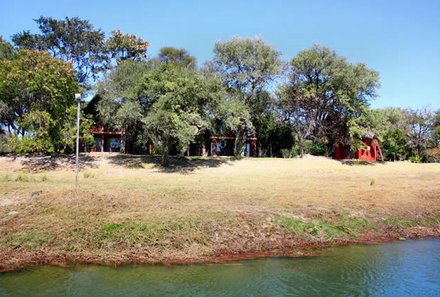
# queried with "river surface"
point(410, 268)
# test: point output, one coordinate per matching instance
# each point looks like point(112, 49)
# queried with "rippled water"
point(410, 268)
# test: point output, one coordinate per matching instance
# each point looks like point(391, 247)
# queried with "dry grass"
point(199, 207)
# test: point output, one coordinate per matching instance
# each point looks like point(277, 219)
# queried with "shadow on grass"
point(176, 163)
point(54, 162)
point(360, 163)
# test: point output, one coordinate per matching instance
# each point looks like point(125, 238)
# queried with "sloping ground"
point(129, 209)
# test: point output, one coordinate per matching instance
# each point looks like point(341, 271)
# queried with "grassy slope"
point(128, 209)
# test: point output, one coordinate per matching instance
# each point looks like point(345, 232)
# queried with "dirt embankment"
point(130, 210)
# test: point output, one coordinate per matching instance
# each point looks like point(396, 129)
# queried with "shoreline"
point(129, 211)
point(299, 249)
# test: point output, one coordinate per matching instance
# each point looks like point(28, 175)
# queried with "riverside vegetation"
point(128, 209)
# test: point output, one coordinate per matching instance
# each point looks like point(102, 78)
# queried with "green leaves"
point(72, 39)
point(246, 64)
point(37, 93)
point(127, 46)
point(327, 97)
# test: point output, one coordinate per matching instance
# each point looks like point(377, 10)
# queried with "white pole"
point(78, 99)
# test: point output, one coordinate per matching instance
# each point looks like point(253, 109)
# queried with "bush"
point(416, 159)
point(318, 149)
point(289, 153)
point(4, 148)
point(433, 155)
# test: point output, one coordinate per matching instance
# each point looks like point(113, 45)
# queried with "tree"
point(171, 55)
point(127, 46)
point(325, 97)
point(120, 105)
point(6, 50)
point(37, 95)
point(247, 67)
point(436, 129)
point(391, 127)
point(420, 130)
point(73, 40)
point(170, 105)
point(184, 101)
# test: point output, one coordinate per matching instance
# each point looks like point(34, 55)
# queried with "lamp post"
point(78, 100)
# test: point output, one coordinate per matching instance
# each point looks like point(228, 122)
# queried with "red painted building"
point(370, 152)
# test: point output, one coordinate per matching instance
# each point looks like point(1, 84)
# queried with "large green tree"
point(326, 96)
point(120, 105)
point(392, 127)
point(72, 39)
point(247, 67)
point(169, 105)
point(37, 95)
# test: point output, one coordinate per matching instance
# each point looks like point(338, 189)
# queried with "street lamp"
point(78, 100)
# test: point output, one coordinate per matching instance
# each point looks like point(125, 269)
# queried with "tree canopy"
point(73, 40)
point(326, 95)
point(317, 101)
point(37, 101)
point(247, 66)
point(170, 104)
point(176, 56)
point(127, 46)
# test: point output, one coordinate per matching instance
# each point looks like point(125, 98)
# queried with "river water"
point(409, 268)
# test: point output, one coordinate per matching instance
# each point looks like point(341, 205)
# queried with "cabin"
point(370, 152)
point(114, 140)
point(224, 146)
point(117, 140)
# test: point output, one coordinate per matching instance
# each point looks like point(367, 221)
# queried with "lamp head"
point(77, 97)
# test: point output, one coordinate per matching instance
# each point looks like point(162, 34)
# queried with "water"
point(410, 268)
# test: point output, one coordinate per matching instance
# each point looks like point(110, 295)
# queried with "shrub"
point(433, 155)
point(289, 153)
point(416, 159)
point(318, 149)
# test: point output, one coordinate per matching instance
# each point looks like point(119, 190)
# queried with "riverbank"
point(130, 210)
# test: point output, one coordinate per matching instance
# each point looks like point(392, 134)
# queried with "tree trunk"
point(301, 148)
point(165, 152)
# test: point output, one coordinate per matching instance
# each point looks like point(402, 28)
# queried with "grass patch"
point(30, 240)
point(297, 226)
point(343, 226)
point(6, 178)
point(88, 174)
point(413, 222)
point(178, 232)
point(23, 177)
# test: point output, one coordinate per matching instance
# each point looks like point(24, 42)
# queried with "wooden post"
point(213, 146)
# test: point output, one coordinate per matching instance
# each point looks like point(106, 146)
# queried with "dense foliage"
point(37, 102)
point(312, 104)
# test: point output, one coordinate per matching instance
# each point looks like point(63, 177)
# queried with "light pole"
point(78, 100)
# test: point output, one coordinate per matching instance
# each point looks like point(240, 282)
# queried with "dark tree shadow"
point(54, 162)
point(178, 164)
point(360, 163)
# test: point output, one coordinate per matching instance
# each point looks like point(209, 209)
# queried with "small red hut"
point(370, 152)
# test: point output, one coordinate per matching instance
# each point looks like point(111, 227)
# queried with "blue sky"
point(400, 39)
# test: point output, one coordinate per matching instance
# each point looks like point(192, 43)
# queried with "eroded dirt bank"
point(129, 210)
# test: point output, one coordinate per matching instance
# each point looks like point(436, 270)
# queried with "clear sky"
point(400, 39)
